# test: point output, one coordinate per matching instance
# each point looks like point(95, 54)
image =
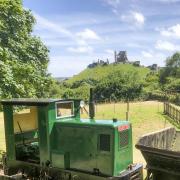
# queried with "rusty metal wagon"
point(161, 151)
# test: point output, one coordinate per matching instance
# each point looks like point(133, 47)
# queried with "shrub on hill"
point(119, 86)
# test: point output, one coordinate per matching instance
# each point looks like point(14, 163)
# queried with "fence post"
point(164, 108)
point(96, 106)
point(170, 110)
point(114, 107)
point(127, 116)
point(127, 112)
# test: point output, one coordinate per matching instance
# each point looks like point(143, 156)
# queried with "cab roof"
point(32, 102)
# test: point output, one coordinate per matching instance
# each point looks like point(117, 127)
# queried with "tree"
point(172, 68)
point(173, 61)
point(119, 86)
point(23, 57)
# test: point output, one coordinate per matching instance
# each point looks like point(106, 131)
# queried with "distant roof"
point(31, 102)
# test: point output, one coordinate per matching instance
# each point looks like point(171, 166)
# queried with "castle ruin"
point(120, 57)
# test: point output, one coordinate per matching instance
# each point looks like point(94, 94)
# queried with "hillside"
point(114, 81)
point(101, 72)
point(119, 82)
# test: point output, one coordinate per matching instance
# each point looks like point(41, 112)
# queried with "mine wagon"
point(47, 139)
point(161, 151)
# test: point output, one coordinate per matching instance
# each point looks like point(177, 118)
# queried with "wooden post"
point(128, 105)
point(170, 110)
point(96, 104)
point(127, 116)
point(114, 107)
point(164, 108)
point(127, 112)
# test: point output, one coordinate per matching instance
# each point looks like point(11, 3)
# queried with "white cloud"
point(81, 49)
point(165, 45)
point(81, 42)
point(109, 51)
point(173, 31)
point(133, 17)
point(134, 45)
point(56, 43)
point(88, 34)
point(82, 39)
point(108, 54)
point(169, 1)
point(44, 23)
point(149, 57)
point(68, 65)
point(147, 54)
point(164, 1)
point(139, 17)
point(55, 31)
point(113, 3)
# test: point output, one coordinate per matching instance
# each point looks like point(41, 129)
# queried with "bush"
point(119, 86)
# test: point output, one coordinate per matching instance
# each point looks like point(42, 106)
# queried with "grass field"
point(145, 117)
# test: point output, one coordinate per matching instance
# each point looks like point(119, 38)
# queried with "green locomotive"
point(49, 140)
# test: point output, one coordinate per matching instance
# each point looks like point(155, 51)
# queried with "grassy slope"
point(100, 72)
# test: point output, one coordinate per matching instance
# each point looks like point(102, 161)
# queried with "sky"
point(79, 32)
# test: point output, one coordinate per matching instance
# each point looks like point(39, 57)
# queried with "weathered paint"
point(80, 140)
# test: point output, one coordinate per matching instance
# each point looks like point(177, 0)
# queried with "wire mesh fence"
point(121, 110)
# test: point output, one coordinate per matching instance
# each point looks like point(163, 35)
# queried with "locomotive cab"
point(47, 135)
point(26, 132)
point(27, 124)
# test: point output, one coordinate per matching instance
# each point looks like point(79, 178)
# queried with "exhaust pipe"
point(91, 104)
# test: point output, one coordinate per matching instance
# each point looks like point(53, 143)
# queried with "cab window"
point(64, 109)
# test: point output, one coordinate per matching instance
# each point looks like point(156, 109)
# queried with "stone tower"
point(121, 57)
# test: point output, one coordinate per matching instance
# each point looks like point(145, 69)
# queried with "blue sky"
point(78, 32)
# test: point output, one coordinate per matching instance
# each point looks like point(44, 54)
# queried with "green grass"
point(100, 72)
